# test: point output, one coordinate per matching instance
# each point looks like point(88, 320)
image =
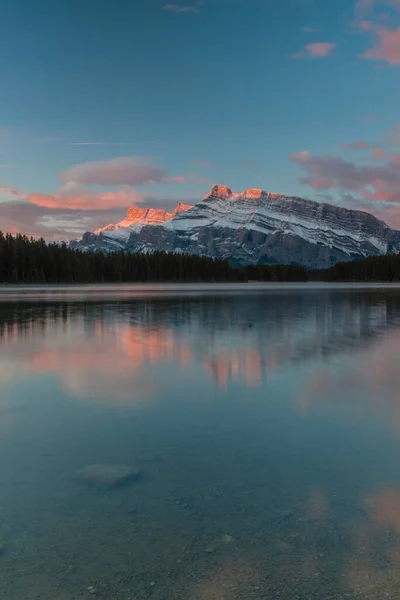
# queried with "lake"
point(265, 422)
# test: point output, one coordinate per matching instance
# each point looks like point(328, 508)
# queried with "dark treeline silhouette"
point(28, 260)
point(273, 273)
point(375, 268)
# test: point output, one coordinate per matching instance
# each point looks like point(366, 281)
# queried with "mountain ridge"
point(252, 227)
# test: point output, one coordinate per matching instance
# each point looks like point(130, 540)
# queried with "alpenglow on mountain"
point(251, 227)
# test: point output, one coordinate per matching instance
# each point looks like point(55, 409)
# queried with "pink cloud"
point(317, 50)
point(92, 187)
point(357, 145)
point(395, 161)
point(175, 179)
point(365, 26)
point(373, 182)
point(379, 154)
point(124, 170)
point(320, 49)
point(71, 210)
point(18, 216)
point(11, 192)
point(392, 136)
point(364, 8)
point(370, 118)
point(78, 197)
point(387, 46)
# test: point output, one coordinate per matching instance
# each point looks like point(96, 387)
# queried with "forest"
point(29, 260)
point(376, 268)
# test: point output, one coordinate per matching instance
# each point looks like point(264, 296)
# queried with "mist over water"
point(266, 426)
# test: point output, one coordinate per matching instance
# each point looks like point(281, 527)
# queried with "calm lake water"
point(265, 422)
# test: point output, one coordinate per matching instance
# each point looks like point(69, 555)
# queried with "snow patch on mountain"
point(253, 226)
point(136, 218)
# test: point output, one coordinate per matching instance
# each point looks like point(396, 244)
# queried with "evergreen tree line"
point(28, 260)
point(376, 268)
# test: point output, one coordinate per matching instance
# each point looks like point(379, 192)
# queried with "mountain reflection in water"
point(267, 428)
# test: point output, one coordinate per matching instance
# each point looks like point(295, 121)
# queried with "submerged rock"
point(108, 476)
point(92, 590)
point(227, 539)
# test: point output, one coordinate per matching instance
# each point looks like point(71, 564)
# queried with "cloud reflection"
point(299, 519)
point(114, 352)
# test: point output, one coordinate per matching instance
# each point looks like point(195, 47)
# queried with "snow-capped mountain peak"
point(219, 191)
point(253, 226)
point(181, 208)
point(137, 217)
point(115, 236)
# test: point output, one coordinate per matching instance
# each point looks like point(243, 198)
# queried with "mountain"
point(116, 237)
point(252, 227)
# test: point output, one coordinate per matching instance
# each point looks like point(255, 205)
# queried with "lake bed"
point(264, 421)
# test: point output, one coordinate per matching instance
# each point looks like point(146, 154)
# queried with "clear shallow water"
point(266, 425)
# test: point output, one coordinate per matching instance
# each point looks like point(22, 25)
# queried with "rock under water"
point(108, 476)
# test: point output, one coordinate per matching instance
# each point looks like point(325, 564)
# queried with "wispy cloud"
point(72, 209)
point(179, 9)
point(317, 50)
point(357, 145)
point(75, 196)
point(378, 182)
point(194, 178)
point(386, 41)
point(250, 165)
point(386, 145)
point(56, 222)
point(99, 143)
point(307, 29)
point(363, 8)
point(124, 170)
point(386, 47)
point(370, 118)
point(378, 154)
point(91, 188)
point(202, 163)
point(320, 50)
point(16, 138)
point(378, 151)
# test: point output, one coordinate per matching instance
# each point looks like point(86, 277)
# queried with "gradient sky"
point(105, 104)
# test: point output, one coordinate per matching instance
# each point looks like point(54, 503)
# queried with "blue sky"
point(104, 104)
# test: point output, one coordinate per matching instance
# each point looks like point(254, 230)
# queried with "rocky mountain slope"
point(251, 227)
point(116, 236)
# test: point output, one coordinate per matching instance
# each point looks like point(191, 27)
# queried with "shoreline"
point(137, 289)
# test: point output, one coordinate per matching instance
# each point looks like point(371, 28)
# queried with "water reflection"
point(233, 340)
point(267, 428)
